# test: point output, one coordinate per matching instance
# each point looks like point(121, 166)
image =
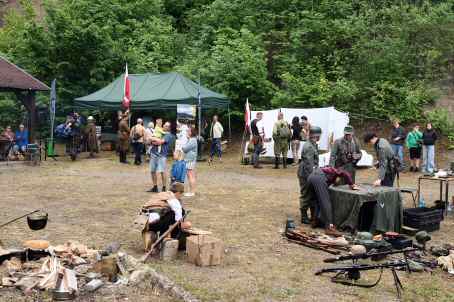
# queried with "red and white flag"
point(247, 116)
point(127, 90)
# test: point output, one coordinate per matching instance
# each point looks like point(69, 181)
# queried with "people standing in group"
point(258, 138)
point(123, 137)
point(309, 161)
point(346, 152)
point(190, 157)
point(387, 161)
point(216, 132)
point(281, 137)
point(21, 140)
point(398, 137)
point(91, 136)
point(414, 145)
point(429, 137)
point(158, 157)
point(297, 129)
point(137, 141)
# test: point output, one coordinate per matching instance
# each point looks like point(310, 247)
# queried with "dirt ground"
point(95, 201)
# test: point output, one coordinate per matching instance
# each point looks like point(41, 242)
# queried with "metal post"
point(230, 128)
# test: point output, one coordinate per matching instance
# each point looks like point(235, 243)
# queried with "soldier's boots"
point(276, 162)
point(284, 162)
point(304, 217)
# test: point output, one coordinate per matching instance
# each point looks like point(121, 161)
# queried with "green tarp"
point(153, 91)
point(347, 205)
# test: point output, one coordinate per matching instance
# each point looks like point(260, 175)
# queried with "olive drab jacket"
point(385, 157)
point(345, 152)
point(309, 159)
point(123, 134)
point(92, 140)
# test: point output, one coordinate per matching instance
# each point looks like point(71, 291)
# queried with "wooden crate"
point(204, 250)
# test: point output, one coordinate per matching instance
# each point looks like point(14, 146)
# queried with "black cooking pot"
point(37, 221)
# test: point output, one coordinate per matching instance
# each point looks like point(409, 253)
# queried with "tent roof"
point(14, 78)
point(153, 91)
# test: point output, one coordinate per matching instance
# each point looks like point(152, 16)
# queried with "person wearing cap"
point(309, 161)
point(387, 166)
point(281, 137)
point(346, 152)
point(163, 210)
point(123, 137)
point(137, 138)
point(90, 136)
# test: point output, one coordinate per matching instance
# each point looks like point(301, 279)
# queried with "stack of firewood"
point(323, 243)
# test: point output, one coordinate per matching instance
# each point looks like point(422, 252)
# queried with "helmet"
point(90, 118)
point(315, 131)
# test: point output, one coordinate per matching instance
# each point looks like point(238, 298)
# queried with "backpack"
point(283, 132)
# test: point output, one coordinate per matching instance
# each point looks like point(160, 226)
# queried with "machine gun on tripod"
point(351, 274)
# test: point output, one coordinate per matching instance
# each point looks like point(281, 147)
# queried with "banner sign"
point(186, 112)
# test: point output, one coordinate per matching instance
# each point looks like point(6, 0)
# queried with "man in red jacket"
point(319, 181)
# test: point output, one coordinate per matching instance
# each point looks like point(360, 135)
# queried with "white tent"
point(329, 119)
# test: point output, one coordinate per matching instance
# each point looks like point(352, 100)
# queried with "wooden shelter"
point(24, 86)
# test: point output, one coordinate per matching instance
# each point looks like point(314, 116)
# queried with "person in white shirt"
point(216, 135)
point(182, 135)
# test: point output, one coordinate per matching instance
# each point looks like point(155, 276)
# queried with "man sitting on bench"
point(163, 210)
point(319, 181)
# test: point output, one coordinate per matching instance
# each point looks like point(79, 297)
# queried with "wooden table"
point(443, 181)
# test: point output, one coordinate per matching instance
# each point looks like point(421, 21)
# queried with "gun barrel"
point(366, 255)
point(360, 267)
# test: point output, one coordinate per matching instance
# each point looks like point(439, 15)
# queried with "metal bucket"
point(37, 221)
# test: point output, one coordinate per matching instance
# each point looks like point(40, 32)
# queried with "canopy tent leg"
point(230, 128)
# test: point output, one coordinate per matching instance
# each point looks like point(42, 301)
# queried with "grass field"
point(95, 201)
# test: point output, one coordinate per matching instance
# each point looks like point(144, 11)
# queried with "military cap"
point(348, 129)
point(315, 130)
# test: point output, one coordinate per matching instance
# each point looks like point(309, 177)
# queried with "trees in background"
point(376, 58)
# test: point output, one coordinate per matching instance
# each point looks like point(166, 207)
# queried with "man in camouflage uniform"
point(281, 137)
point(387, 161)
point(346, 153)
point(309, 160)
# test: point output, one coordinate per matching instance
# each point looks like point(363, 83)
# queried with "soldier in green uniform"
point(387, 161)
point(309, 160)
point(346, 152)
point(281, 137)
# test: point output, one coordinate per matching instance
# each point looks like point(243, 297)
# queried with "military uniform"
point(123, 138)
point(92, 140)
point(345, 154)
point(281, 137)
point(387, 169)
point(309, 160)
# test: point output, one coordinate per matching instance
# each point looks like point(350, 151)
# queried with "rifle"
point(164, 235)
point(349, 275)
point(373, 256)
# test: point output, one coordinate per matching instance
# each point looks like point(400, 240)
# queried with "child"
point(158, 131)
point(178, 171)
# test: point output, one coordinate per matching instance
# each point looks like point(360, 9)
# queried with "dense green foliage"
point(376, 58)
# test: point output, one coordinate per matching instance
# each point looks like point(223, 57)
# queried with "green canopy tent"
point(155, 91)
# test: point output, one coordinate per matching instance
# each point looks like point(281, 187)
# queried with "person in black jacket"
point(398, 137)
point(429, 136)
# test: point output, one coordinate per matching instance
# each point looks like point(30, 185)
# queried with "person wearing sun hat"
point(346, 152)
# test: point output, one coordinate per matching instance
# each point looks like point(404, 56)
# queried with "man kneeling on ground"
point(319, 181)
point(163, 210)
